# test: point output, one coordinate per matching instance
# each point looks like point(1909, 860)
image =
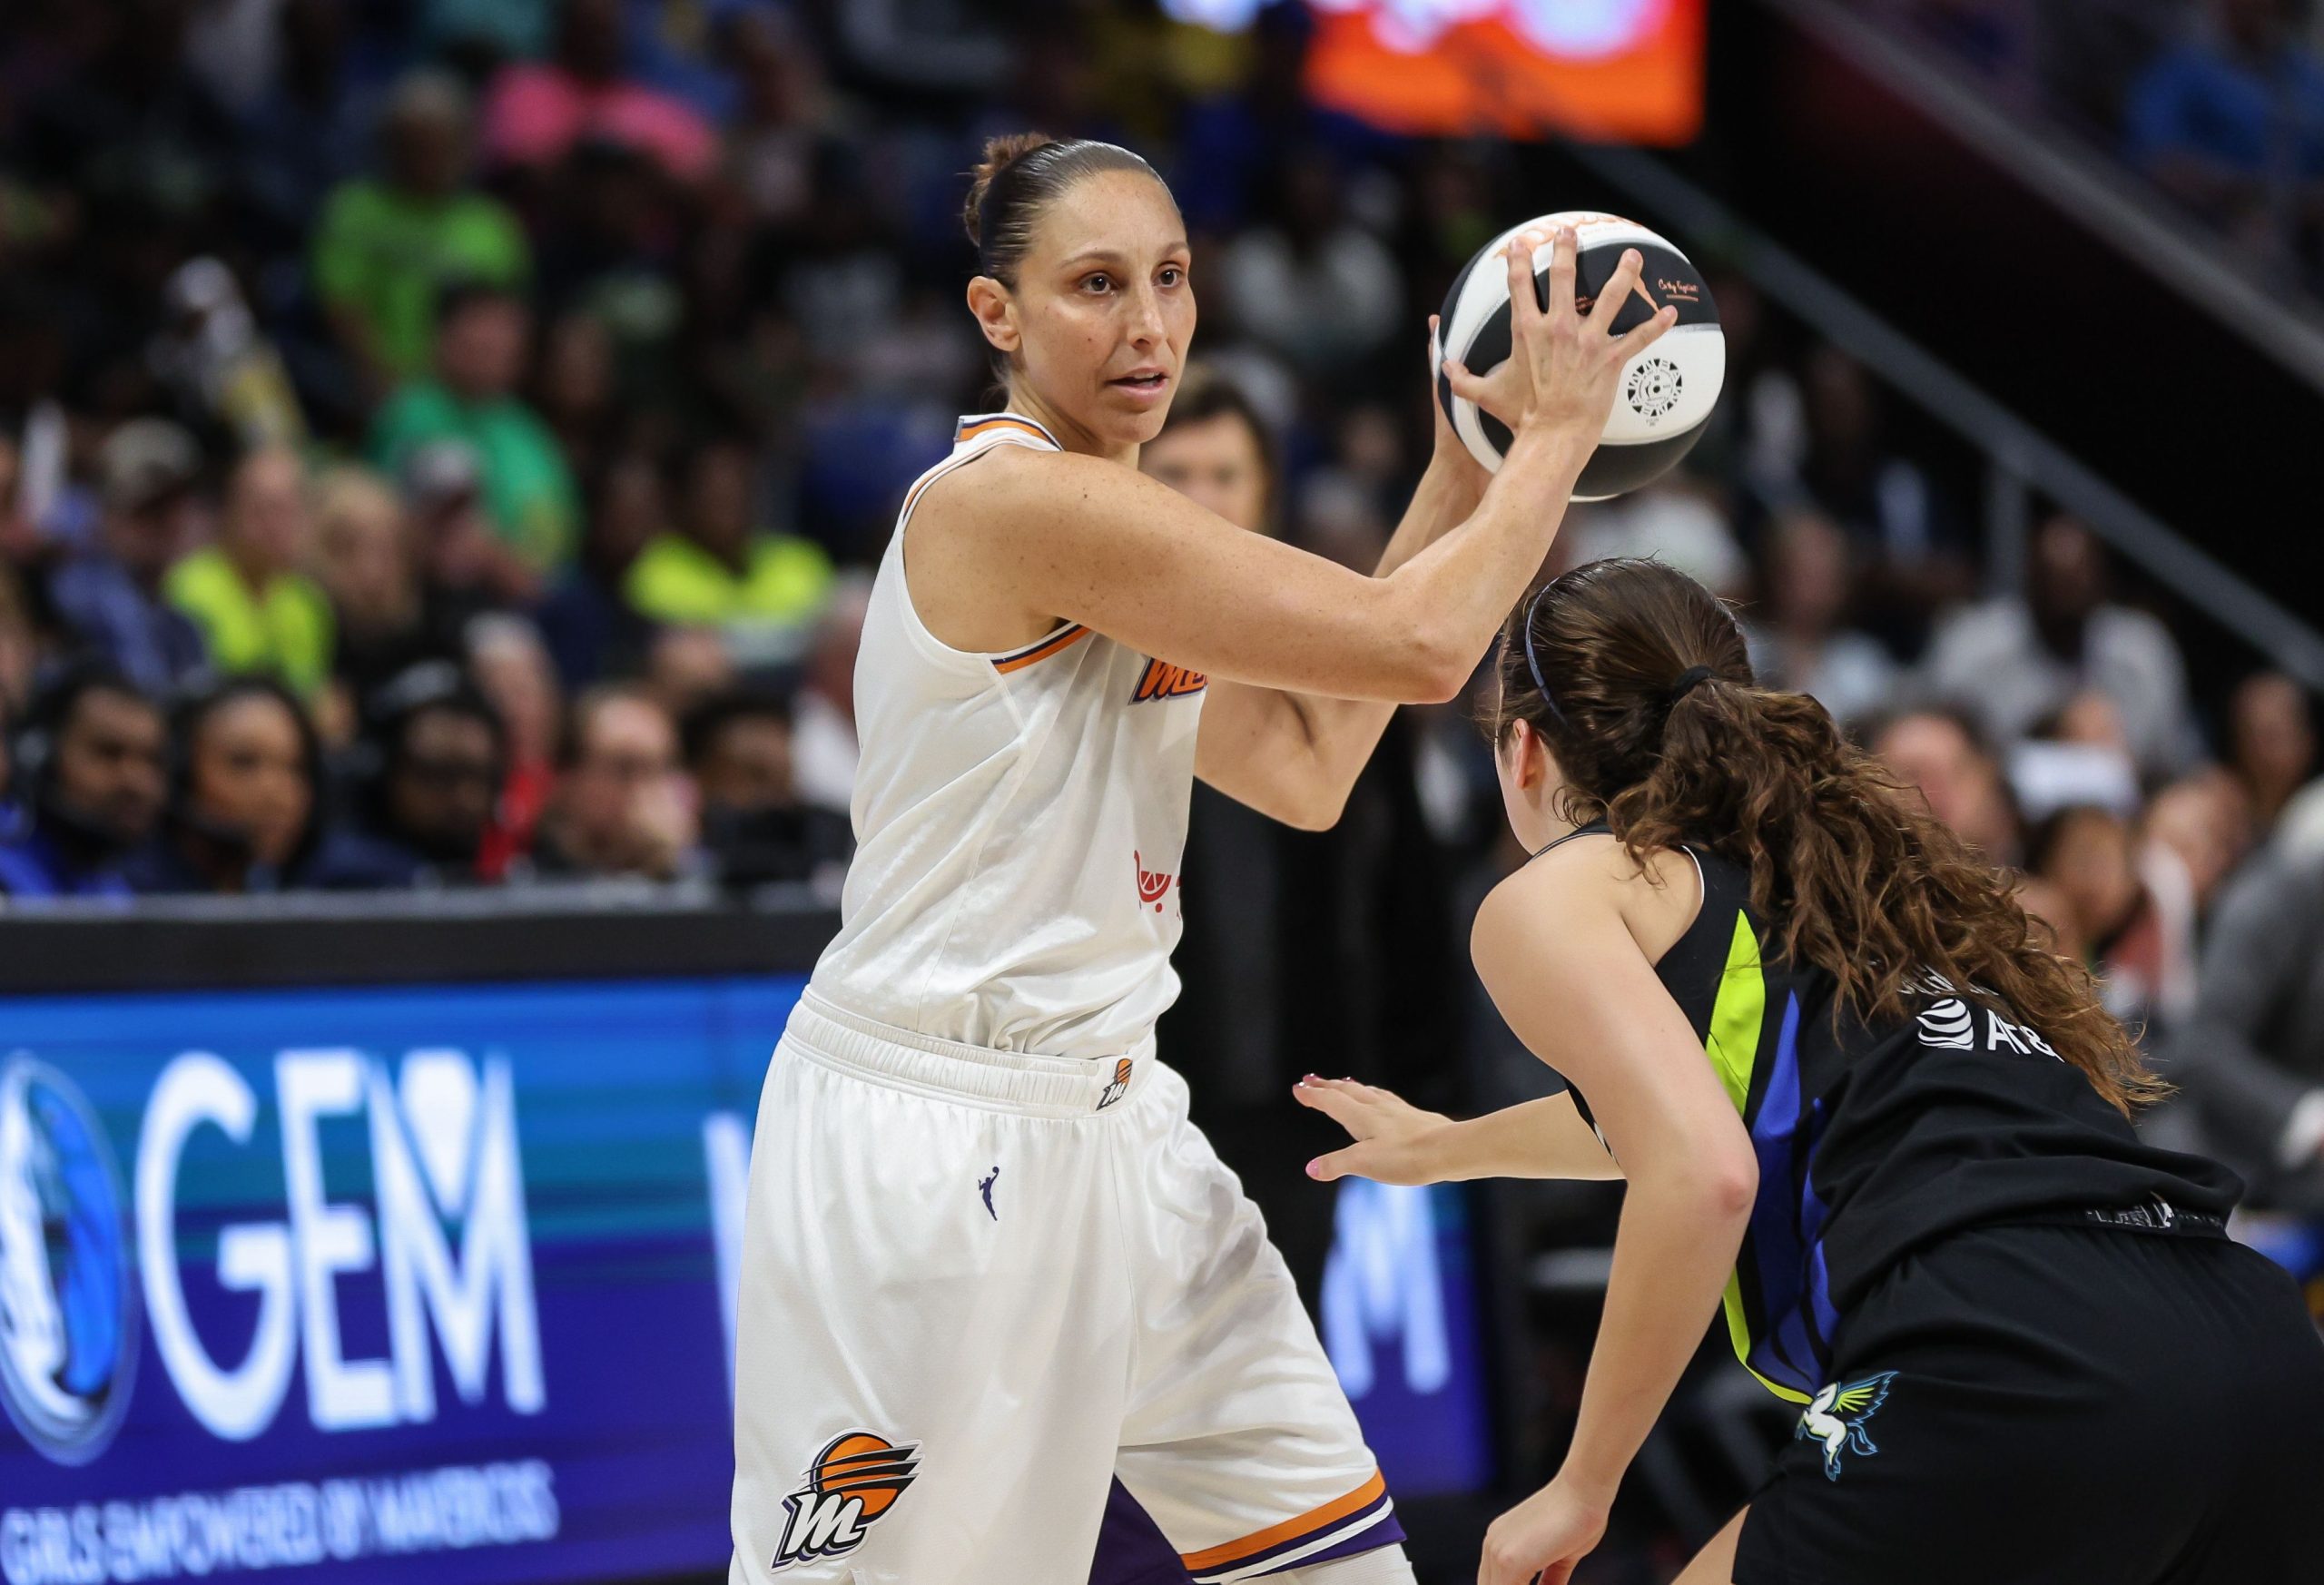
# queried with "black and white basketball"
point(1666, 393)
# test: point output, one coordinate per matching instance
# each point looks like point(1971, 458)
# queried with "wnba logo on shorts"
point(852, 1482)
point(1121, 1085)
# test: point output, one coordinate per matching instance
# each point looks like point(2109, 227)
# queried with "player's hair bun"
point(999, 153)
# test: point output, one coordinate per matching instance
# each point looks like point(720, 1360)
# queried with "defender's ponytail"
point(1638, 680)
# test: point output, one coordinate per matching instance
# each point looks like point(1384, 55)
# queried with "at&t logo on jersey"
point(849, 1484)
point(68, 1312)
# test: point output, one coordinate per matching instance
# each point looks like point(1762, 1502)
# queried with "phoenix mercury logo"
point(852, 1482)
point(1161, 680)
point(68, 1315)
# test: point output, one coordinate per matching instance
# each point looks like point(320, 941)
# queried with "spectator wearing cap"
point(624, 806)
point(439, 761)
point(470, 397)
point(108, 599)
point(386, 249)
point(739, 747)
point(91, 756)
point(244, 808)
point(258, 611)
point(721, 569)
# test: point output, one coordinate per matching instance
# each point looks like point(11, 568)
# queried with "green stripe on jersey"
point(1733, 1046)
point(1733, 1043)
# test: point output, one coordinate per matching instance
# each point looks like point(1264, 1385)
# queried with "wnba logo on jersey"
point(852, 1482)
point(1161, 680)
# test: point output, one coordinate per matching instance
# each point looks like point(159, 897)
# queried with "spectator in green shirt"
point(481, 335)
point(385, 248)
point(256, 610)
point(763, 590)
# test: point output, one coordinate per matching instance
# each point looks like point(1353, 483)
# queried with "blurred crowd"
point(2220, 103)
point(444, 444)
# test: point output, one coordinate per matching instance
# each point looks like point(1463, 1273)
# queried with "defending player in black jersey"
point(1867, 1114)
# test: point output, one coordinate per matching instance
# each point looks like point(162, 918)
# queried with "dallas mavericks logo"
point(1837, 1419)
point(68, 1315)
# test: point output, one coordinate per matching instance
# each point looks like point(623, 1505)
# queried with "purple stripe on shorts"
point(1383, 1532)
point(1132, 1548)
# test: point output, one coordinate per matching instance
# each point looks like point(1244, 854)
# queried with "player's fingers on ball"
point(1524, 297)
point(1466, 386)
point(1564, 247)
point(1618, 289)
point(1639, 336)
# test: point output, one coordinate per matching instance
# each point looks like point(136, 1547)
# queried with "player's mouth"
point(1147, 384)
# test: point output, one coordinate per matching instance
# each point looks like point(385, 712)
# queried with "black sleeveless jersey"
point(1874, 1139)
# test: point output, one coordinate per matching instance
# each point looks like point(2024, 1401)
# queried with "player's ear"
point(995, 313)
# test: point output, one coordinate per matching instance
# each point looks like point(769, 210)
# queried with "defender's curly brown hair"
point(1848, 869)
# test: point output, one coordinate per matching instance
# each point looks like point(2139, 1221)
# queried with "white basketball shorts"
point(978, 1286)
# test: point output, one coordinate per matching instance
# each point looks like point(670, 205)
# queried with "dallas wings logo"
point(68, 1314)
point(1836, 1416)
point(848, 1485)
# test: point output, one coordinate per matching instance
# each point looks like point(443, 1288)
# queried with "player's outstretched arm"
point(1555, 950)
point(1397, 1142)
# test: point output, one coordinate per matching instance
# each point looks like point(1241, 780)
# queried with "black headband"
point(1532, 662)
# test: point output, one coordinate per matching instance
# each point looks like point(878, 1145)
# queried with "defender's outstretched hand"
point(1395, 1139)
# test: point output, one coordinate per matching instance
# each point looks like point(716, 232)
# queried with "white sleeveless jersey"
point(1018, 821)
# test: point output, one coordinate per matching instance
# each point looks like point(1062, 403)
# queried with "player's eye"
point(1099, 281)
point(1172, 275)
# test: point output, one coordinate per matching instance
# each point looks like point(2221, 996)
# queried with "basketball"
point(1667, 392)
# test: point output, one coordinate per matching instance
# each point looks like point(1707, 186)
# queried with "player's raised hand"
point(1562, 365)
point(1393, 1137)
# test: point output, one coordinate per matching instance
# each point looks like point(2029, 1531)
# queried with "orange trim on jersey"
point(1314, 1518)
point(1043, 650)
point(986, 426)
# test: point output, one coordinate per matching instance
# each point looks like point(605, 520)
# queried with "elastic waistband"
point(1015, 1081)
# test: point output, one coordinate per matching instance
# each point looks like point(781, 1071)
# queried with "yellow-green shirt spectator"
point(284, 630)
point(383, 256)
point(767, 608)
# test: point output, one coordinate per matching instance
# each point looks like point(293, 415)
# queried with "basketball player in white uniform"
point(988, 1263)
